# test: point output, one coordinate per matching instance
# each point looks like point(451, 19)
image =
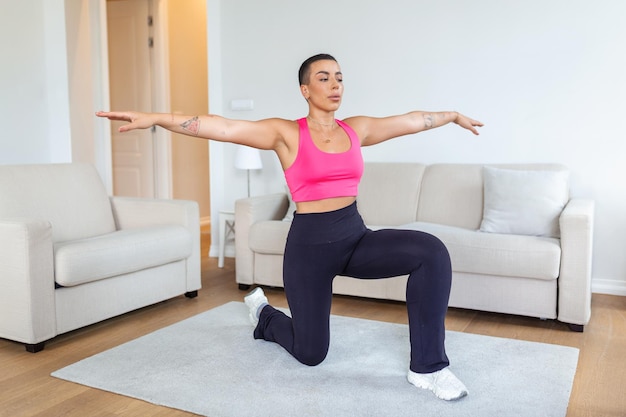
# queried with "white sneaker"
point(254, 300)
point(443, 383)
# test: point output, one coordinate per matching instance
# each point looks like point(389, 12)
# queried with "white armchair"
point(71, 256)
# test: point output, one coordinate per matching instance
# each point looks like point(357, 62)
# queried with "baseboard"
point(608, 286)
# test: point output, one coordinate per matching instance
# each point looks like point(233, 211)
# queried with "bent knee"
point(437, 246)
point(312, 358)
point(438, 252)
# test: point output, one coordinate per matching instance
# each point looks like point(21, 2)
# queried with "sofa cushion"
point(471, 251)
point(497, 254)
point(389, 193)
point(121, 252)
point(524, 202)
point(452, 194)
point(269, 236)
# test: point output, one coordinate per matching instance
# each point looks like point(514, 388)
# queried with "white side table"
point(227, 226)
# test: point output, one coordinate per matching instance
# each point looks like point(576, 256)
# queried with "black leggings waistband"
point(326, 227)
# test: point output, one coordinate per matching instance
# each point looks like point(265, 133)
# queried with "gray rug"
point(209, 364)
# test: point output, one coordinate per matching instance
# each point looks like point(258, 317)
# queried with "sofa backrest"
point(452, 194)
point(389, 193)
point(395, 193)
point(71, 197)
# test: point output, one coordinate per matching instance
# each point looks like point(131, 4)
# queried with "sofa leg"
point(244, 287)
point(34, 348)
point(191, 294)
point(579, 328)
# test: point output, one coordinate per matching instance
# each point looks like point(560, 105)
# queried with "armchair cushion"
point(121, 252)
point(269, 236)
point(292, 206)
point(71, 197)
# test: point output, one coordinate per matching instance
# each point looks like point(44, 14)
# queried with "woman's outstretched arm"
point(262, 134)
point(374, 130)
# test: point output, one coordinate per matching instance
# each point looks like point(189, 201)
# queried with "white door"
point(129, 37)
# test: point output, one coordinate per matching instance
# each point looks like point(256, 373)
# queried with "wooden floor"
point(27, 389)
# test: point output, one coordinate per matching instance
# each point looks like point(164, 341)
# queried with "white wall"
point(28, 100)
point(546, 78)
point(49, 82)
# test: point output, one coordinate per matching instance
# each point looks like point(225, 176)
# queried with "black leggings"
point(323, 245)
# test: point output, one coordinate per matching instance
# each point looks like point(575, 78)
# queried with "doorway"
point(130, 40)
point(161, 66)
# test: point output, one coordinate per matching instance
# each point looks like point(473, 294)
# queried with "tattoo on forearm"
point(428, 121)
point(192, 125)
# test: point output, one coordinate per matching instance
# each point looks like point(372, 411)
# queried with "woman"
point(321, 158)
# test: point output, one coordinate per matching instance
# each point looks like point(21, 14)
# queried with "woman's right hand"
point(137, 120)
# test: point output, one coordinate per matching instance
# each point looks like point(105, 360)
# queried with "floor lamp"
point(248, 158)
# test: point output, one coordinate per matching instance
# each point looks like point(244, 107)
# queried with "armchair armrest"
point(130, 212)
point(576, 223)
point(247, 212)
point(27, 306)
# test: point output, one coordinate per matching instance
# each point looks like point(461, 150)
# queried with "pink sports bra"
point(316, 175)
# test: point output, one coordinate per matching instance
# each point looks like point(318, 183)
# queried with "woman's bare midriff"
point(322, 206)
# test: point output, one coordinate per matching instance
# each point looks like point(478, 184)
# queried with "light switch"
point(242, 104)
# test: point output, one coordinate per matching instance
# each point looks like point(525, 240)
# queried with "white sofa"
point(71, 256)
point(506, 272)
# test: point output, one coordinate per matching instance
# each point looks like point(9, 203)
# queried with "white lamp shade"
point(248, 158)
